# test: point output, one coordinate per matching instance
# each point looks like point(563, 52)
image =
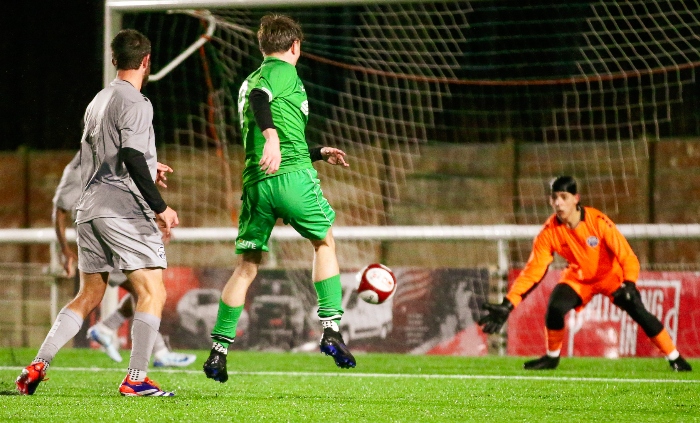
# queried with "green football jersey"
point(290, 112)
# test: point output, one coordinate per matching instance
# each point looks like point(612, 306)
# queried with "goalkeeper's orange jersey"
point(595, 250)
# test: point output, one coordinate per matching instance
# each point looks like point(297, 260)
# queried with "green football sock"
point(226, 321)
point(330, 298)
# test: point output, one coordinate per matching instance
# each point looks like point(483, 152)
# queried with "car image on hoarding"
point(197, 311)
point(362, 320)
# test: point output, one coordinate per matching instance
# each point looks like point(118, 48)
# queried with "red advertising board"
point(601, 329)
point(434, 311)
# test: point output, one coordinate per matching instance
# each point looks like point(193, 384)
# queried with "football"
point(376, 283)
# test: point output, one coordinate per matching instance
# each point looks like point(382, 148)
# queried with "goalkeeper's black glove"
point(498, 314)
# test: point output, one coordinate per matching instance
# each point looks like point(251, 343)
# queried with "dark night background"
point(51, 65)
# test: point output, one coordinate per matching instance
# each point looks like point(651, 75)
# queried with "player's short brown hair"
point(129, 47)
point(277, 33)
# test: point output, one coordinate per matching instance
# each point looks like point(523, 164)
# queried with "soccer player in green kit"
point(280, 182)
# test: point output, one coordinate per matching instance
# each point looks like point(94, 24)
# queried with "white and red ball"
point(376, 283)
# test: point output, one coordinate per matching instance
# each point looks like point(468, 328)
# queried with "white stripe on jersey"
point(268, 92)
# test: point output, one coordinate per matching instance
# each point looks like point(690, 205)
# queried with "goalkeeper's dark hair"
point(277, 33)
point(563, 184)
point(129, 47)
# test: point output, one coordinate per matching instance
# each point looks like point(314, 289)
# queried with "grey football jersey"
point(118, 117)
point(69, 188)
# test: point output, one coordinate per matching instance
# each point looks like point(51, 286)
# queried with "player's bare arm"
point(136, 165)
point(161, 176)
point(334, 156)
point(69, 257)
point(166, 221)
point(331, 155)
point(272, 156)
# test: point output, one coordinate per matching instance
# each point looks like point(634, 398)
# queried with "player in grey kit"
point(122, 219)
point(64, 202)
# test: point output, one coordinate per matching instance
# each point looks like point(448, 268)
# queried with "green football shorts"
point(295, 197)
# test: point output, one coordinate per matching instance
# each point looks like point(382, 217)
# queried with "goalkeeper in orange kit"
point(600, 261)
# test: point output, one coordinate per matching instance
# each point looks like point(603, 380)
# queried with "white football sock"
point(136, 375)
point(554, 354)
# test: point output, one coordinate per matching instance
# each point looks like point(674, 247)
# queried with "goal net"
point(366, 97)
point(451, 112)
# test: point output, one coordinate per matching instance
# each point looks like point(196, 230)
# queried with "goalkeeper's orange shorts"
point(588, 290)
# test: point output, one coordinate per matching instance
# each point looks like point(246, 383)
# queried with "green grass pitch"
point(301, 387)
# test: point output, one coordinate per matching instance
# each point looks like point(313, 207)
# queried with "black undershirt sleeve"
point(260, 105)
point(315, 154)
point(137, 167)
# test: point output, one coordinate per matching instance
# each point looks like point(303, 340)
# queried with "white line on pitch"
point(351, 373)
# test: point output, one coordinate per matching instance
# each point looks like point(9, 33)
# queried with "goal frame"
point(113, 15)
point(499, 234)
point(115, 9)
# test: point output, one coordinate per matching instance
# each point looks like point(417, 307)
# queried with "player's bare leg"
point(150, 291)
point(326, 278)
point(237, 286)
point(66, 326)
point(325, 259)
point(92, 290)
point(126, 308)
point(103, 332)
point(230, 309)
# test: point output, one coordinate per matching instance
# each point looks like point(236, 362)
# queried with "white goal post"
point(653, 231)
point(115, 8)
point(500, 234)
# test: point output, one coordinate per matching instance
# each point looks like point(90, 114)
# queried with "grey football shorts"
point(109, 243)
